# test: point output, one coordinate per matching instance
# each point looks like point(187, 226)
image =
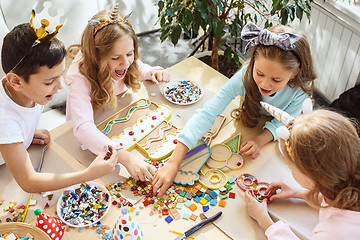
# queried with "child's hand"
point(258, 211)
point(164, 177)
point(250, 149)
point(138, 169)
point(159, 76)
point(286, 191)
point(103, 165)
point(41, 136)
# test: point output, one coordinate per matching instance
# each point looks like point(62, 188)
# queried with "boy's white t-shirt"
point(17, 123)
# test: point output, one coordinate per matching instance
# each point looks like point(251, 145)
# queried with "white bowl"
point(175, 84)
point(91, 184)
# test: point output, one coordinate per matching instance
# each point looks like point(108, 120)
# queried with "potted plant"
point(222, 20)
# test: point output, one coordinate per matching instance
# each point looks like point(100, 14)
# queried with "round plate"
point(183, 92)
point(91, 184)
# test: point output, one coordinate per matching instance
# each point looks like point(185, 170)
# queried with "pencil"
point(180, 233)
point(37, 170)
point(27, 207)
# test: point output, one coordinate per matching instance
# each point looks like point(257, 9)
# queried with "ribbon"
point(255, 36)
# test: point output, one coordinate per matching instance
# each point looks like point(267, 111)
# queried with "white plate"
point(183, 92)
point(91, 184)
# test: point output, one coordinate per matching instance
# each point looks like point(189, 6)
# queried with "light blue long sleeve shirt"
point(288, 99)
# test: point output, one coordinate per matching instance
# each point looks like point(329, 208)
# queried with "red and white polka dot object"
point(52, 226)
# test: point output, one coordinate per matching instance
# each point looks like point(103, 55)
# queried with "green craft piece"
point(37, 211)
point(234, 143)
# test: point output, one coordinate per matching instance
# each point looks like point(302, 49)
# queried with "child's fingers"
point(254, 154)
point(167, 76)
point(38, 141)
point(155, 78)
point(156, 186)
point(151, 170)
point(245, 147)
point(162, 189)
point(147, 174)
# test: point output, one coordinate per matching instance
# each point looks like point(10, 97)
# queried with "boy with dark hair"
point(34, 66)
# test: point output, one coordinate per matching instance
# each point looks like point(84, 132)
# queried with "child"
point(279, 72)
point(33, 75)
point(106, 66)
point(323, 153)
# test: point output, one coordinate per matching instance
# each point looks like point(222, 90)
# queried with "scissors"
point(198, 226)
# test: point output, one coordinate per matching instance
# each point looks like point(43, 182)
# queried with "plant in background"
point(222, 20)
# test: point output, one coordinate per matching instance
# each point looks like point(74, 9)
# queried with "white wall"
point(78, 12)
point(334, 38)
point(3, 31)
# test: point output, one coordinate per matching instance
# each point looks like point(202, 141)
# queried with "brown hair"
point(325, 147)
point(298, 60)
point(18, 55)
point(94, 63)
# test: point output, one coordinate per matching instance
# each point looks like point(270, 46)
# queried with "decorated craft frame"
point(248, 182)
point(193, 161)
point(142, 124)
point(213, 178)
point(225, 156)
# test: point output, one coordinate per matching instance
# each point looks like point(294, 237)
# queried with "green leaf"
point(164, 34)
point(175, 34)
point(170, 12)
point(221, 43)
point(299, 12)
point(267, 23)
point(236, 59)
point(276, 6)
point(160, 5)
point(291, 14)
point(219, 30)
point(227, 54)
point(284, 16)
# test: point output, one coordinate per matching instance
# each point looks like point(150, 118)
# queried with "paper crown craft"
point(285, 118)
point(43, 26)
point(126, 228)
point(114, 18)
point(52, 226)
point(284, 131)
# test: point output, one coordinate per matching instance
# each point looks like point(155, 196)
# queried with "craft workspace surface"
point(65, 155)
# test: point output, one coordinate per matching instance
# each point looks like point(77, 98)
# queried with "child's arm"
point(137, 168)
point(159, 76)
point(41, 136)
point(166, 175)
point(286, 191)
point(251, 148)
point(155, 74)
point(18, 161)
point(258, 211)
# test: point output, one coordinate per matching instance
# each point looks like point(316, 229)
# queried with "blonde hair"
point(325, 147)
point(94, 62)
point(298, 61)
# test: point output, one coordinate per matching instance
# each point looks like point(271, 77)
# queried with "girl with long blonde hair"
point(323, 153)
point(279, 72)
point(106, 65)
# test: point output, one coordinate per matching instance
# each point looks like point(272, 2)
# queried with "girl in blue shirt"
point(279, 72)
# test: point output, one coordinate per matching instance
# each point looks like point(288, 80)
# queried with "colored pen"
point(180, 233)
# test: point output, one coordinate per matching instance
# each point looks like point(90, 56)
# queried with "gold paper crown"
point(39, 22)
point(114, 18)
